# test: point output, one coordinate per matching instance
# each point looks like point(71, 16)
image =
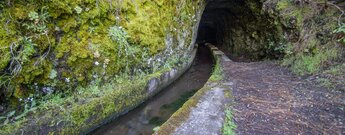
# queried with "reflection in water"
point(157, 110)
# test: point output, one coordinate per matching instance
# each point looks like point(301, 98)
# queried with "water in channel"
point(160, 107)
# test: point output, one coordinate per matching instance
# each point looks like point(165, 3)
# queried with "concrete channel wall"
point(204, 112)
point(154, 85)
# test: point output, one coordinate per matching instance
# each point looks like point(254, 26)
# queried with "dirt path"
point(270, 100)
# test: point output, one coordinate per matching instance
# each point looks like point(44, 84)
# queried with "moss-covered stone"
point(67, 34)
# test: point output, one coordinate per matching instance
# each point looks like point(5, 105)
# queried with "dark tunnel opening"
point(239, 29)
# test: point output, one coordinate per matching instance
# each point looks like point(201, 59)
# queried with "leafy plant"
point(21, 54)
point(78, 9)
point(38, 21)
point(33, 16)
point(126, 51)
point(28, 49)
point(8, 116)
point(30, 105)
point(310, 64)
point(341, 32)
point(5, 81)
point(2, 5)
point(53, 74)
point(119, 35)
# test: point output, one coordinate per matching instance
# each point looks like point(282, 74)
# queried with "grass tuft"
point(229, 125)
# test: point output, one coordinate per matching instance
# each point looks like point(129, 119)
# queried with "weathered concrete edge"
point(181, 115)
point(156, 84)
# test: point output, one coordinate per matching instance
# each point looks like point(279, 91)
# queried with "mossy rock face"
point(72, 39)
point(243, 28)
point(309, 45)
point(299, 33)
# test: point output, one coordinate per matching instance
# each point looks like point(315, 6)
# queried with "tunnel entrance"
point(239, 29)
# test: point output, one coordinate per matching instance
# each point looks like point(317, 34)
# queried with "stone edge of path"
point(204, 112)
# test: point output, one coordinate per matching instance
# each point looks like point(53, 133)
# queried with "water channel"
point(154, 112)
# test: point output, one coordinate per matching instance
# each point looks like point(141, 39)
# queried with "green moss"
point(283, 4)
point(336, 70)
point(332, 77)
point(309, 52)
point(229, 125)
point(309, 64)
point(182, 114)
point(217, 73)
point(291, 11)
point(74, 30)
point(77, 112)
point(156, 121)
point(7, 36)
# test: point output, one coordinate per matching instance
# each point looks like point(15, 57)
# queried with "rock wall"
point(296, 31)
point(55, 46)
